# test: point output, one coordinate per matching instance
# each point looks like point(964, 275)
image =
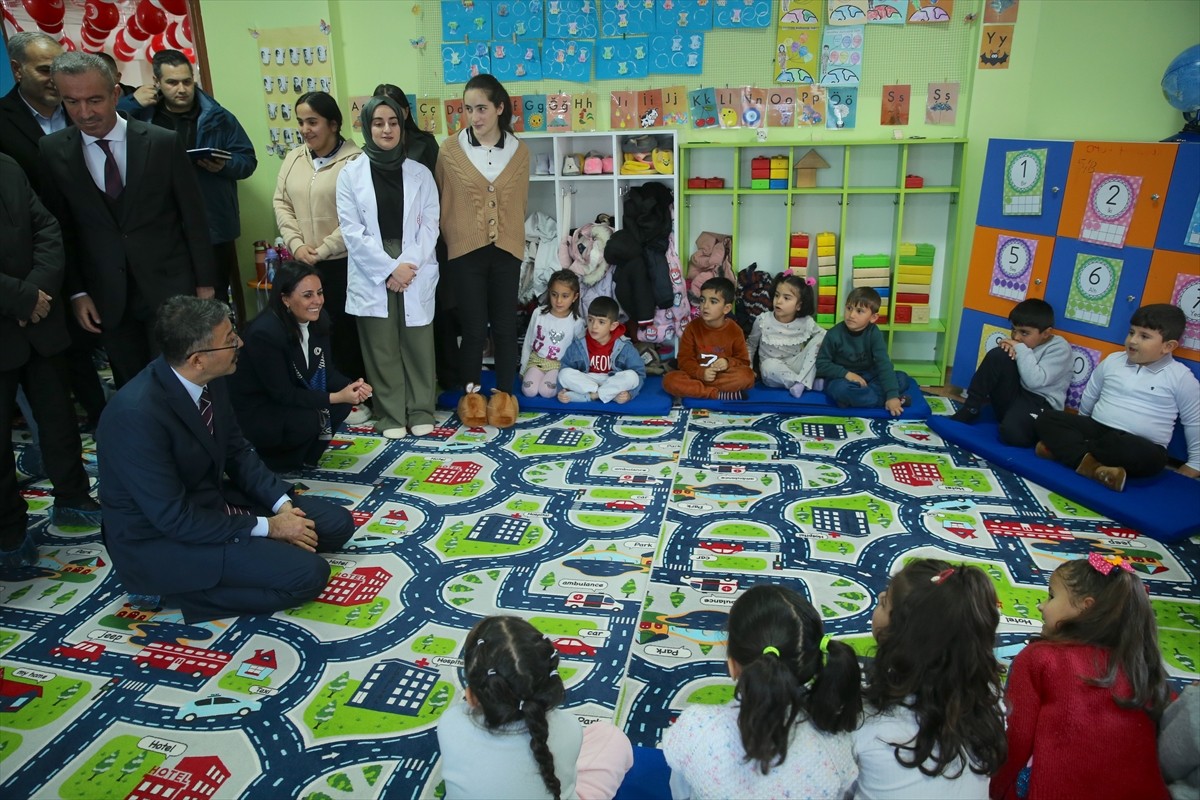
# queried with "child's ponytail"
point(834, 703)
point(534, 712)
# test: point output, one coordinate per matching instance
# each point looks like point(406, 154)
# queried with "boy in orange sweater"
point(713, 360)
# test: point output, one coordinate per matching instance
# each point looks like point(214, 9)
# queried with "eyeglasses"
point(237, 342)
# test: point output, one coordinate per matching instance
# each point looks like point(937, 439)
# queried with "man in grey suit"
point(133, 218)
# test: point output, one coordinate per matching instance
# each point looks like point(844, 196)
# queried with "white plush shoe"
point(359, 415)
point(422, 430)
point(395, 433)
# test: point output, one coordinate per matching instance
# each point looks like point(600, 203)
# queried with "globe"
point(1181, 81)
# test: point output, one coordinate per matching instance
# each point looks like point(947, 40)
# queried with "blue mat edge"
point(1157, 495)
point(765, 399)
point(651, 400)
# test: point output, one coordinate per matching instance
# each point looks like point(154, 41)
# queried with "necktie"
point(112, 175)
point(206, 414)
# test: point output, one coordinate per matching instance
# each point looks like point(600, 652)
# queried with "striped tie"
point(206, 414)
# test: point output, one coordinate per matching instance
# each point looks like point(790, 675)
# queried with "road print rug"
point(624, 539)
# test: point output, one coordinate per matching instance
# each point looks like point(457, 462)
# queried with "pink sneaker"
point(592, 163)
point(606, 165)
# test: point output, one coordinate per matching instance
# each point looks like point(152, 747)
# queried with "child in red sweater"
point(713, 359)
point(1085, 698)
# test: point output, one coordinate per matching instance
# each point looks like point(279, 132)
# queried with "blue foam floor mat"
point(764, 399)
point(650, 400)
point(1165, 507)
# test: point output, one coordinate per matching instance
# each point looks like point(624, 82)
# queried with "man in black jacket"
point(33, 329)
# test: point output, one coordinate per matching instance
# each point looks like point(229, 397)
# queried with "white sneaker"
point(358, 415)
point(422, 430)
point(395, 433)
point(542, 164)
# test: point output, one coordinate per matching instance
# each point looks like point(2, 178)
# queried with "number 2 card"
point(1109, 208)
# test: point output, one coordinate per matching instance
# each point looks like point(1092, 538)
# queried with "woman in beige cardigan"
point(306, 213)
point(483, 175)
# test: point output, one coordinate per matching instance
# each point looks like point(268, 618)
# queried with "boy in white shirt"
point(1129, 408)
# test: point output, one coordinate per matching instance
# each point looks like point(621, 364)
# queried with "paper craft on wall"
point(1024, 176)
point(1084, 361)
point(1093, 289)
point(1186, 295)
point(621, 111)
point(990, 336)
point(1192, 239)
point(796, 41)
point(583, 109)
point(567, 59)
point(895, 101)
point(649, 108)
point(1000, 12)
point(1012, 267)
point(754, 107)
point(534, 111)
point(558, 113)
point(729, 107)
point(930, 10)
point(995, 47)
point(810, 106)
point(518, 113)
point(692, 15)
point(781, 107)
point(517, 18)
point(847, 12)
point(702, 108)
point(679, 52)
point(429, 118)
point(743, 14)
point(941, 104)
point(841, 56)
point(800, 13)
point(1109, 208)
point(461, 62)
point(622, 58)
point(292, 61)
point(463, 19)
point(517, 61)
point(886, 12)
point(454, 114)
point(841, 107)
point(626, 18)
point(571, 18)
point(675, 105)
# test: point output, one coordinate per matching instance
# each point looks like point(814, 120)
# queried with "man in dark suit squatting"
point(34, 335)
point(190, 511)
point(131, 210)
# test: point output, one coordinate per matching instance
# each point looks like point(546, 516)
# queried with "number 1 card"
point(1024, 174)
point(1109, 208)
point(1093, 289)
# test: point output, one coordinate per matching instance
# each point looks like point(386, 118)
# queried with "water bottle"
point(272, 264)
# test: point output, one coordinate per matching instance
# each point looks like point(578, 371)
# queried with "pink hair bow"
point(787, 273)
point(811, 281)
point(1106, 564)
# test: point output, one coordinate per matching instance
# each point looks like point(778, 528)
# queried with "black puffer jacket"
point(638, 252)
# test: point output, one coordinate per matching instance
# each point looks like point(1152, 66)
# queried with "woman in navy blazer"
point(288, 395)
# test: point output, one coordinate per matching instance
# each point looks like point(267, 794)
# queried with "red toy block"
point(912, 297)
point(697, 183)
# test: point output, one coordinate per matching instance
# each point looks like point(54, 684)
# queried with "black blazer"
point(158, 230)
point(272, 375)
point(161, 479)
point(31, 258)
point(19, 134)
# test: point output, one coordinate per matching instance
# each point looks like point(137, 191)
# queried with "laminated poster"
point(995, 47)
point(533, 108)
point(754, 107)
point(568, 59)
point(1109, 208)
point(465, 20)
point(429, 116)
point(1084, 361)
point(1093, 289)
point(521, 19)
point(583, 109)
point(570, 19)
point(886, 12)
point(1012, 267)
point(356, 106)
point(810, 106)
point(677, 53)
point(930, 11)
point(461, 62)
point(518, 112)
point(895, 102)
point(675, 105)
point(1024, 182)
point(781, 107)
point(292, 61)
point(558, 112)
point(1186, 295)
point(941, 103)
point(453, 109)
point(991, 336)
point(622, 58)
point(692, 15)
point(1192, 239)
point(517, 61)
point(847, 12)
point(800, 13)
point(621, 111)
point(841, 106)
point(1000, 12)
point(841, 56)
point(626, 18)
point(650, 108)
point(729, 107)
point(702, 108)
point(797, 40)
point(742, 14)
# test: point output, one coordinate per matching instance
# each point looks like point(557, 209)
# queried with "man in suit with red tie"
point(190, 511)
point(132, 215)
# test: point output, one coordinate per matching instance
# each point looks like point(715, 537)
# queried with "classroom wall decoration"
point(1093, 286)
point(930, 11)
point(847, 12)
point(292, 61)
point(941, 104)
point(886, 12)
point(995, 48)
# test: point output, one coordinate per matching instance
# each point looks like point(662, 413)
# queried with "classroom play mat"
point(626, 539)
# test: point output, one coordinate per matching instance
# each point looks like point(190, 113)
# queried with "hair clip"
point(941, 576)
point(811, 281)
point(787, 273)
point(772, 650)
point(521, 705)
point(491, 672)
point(478, 642)
point(554, 673)
point(1105, 564)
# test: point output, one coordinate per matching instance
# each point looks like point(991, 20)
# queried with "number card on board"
point(1109, 208)
point(1084, 361)
point(990, 337)
point(1012, 268)
point(1186, 295)
point(1024, 176)
point(1093, 289)
point(941, 103)
point(1193, 232)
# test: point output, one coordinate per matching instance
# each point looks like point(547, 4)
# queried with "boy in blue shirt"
point(854, 360)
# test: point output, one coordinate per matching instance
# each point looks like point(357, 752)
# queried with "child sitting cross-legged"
point(788, 339)
point(1128, 410)
point(603, 365)
point(713, 360)
point(854, 360)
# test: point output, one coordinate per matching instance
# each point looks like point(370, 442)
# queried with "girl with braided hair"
point(788, 731)
point(510, 738)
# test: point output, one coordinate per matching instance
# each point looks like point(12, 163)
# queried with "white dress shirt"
point(490, 161)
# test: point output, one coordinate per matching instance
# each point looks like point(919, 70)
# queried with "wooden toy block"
point(827, 280)
point(778, 183)
point(826, 238)
point(826, 271)
point(903, 313)
point(800, 240)
point(913, 288)
point(872, 282)
point(881, 260)
point(826, 250)
point(920, 315)
point(760, 183)
point(826, 291)
point(806, 169)
point(826, 261)
point(872, 272)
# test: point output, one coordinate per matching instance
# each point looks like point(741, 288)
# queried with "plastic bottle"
point(272, 264)
point(281, 249)
point(260, 261)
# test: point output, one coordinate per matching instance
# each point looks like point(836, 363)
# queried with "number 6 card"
point(1093, 289)
point(1109, 208)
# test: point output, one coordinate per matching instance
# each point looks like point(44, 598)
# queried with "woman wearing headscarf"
point(388, 208)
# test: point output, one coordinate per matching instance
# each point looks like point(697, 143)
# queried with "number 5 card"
point(1012, 267)
point(1109, 208)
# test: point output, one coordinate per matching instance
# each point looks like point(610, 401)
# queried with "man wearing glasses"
point(190, 511)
